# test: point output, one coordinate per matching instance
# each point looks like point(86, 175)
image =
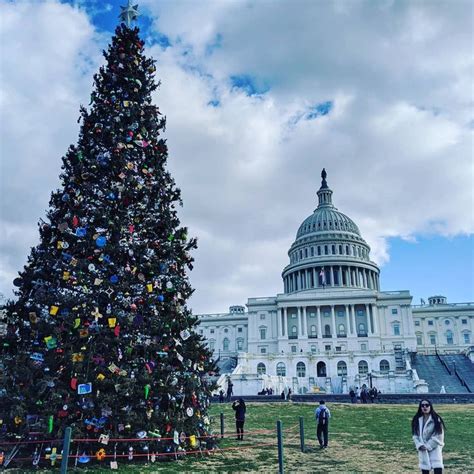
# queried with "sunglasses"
point(425, 405)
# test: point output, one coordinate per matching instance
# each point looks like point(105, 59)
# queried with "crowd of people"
point(364, 395)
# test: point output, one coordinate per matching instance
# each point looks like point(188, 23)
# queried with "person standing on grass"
point(428, 435)
point(322, 415)
point(239, 407)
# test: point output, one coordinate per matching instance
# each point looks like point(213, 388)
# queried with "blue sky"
point(259, 97)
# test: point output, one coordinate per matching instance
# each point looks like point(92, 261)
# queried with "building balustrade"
point(342, 335)
point(327, 336)
point(362, 334)
point(292, 337)
point(312, 336)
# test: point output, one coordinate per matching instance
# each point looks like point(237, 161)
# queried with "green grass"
point(362, 438)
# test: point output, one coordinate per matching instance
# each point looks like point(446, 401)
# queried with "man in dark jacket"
point(239, 407)
point(322, 415)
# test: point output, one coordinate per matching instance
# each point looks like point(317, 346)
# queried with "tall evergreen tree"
point(100, 337)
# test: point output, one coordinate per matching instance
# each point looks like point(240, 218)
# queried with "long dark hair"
point(438, 421)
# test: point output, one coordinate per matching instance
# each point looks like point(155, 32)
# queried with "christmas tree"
point(100, 337)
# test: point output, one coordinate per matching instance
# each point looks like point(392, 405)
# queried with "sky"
point(259, 97)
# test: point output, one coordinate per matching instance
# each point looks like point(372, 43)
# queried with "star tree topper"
point(129, 13)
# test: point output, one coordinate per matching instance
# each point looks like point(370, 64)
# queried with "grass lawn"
point(362, 438)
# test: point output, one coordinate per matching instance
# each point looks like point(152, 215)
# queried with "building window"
point(447, 322)
point(240, 344)
point(262, 317)
point(293, 316)
point(384, 366)
point(430, 323)
point(464, 321)
point(293, 349)
point(340, 249)
point(226, 330)
point(360, 312)
point(319, 250)
point(312, 251)
point(239, 329)
point(263, 333)
point(449, 337)
point(301, 369)
point(212, 331)
point(212, 344)
point(328, 347)
point(340, 313)
point(396, 329)
point(312, 331)
point(306, 253)
point(312, 315)
point(394, 311)
point(341, 368)
point(419, 340)
point(225, 344)
point(417, 323)
point(327, 330)
point(467, 338)
point(433, 339)
point(326, 251)
point(263, 350)
point(313, 349)
point(261, 369)
point(341, 330)
point(338, 348)
point(281, 369)
point(363, 347)
point(362, 331)
point(363, 367)
point(294, 332)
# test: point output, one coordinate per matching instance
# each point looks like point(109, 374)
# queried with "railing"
point(444, 363)
point(362, 334)
point(438, 305)
point(462, 380)
point(292, 337)
point(342, 335)
point(312, 336)
point(327, 336)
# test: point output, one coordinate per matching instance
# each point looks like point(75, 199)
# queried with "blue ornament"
point(81, 232)
point(114, 279)
point(100, 241)
point(111, 196)
point(65, 197)
point(161, 298)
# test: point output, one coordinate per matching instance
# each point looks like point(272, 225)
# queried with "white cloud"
point(396, 139)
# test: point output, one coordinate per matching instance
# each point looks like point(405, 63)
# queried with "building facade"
point(332, 328)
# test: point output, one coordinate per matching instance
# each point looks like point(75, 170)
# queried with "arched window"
point(341, 329)
point(384, 366)
point(363, 367)
point(466, 337)
point(449, 337)
point(240, 344)
point(281, 369)
point(321, 369)
point(261, 369)
point(225, 344)
point(301, 369)
point(341, 368)
point(327, 330)
point(362, 331)
point(294, 331)
point(312, 331)
point(212, 344)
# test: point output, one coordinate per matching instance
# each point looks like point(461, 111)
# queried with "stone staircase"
point(463, 366)
point(435, 374)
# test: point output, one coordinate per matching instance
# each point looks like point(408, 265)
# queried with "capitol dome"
point(329, 251)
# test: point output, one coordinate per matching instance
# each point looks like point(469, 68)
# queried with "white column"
point(320, 331)
point(300, 322)
point(305, 332)
point(364, 278)
point(340, 276)
point(279, 316)
point(315, 278)
point(332, 275)
point(350, 329)
point(285, 321)
point(369, 321)
point(353, 319)
point(375, 313)
point(333, 317)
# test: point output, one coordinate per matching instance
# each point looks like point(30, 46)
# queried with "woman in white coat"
point(428, 435)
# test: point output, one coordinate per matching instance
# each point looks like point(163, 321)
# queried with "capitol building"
point(332, 328)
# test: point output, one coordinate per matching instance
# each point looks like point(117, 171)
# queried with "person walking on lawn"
point(322, 415)
point(239, 407)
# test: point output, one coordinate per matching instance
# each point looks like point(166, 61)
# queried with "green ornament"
point(147, 391)
point(50, 423)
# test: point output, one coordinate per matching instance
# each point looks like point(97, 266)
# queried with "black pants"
point(437, 470)
point(323, 434)
point(239, 424)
